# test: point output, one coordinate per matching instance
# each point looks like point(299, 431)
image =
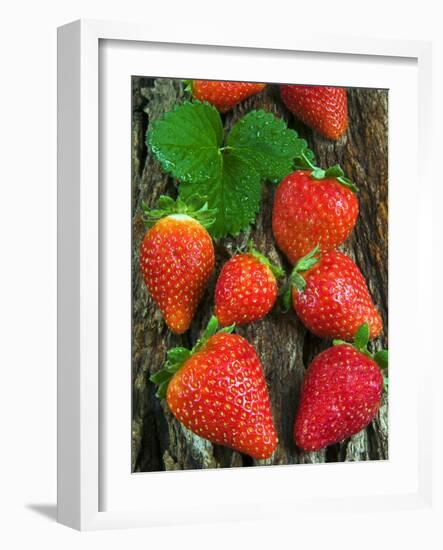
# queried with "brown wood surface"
point(285, 347)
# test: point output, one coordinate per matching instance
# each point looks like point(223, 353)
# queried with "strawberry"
point(330, 296)
point(341, 394)
point(177, 259)
point(218, 391)
point(323, 108)
point(313, 207)
point(223, 95)
point(246, 288)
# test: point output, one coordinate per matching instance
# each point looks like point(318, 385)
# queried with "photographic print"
point(259, 274)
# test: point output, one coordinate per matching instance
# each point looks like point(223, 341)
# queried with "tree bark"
point(285, 347)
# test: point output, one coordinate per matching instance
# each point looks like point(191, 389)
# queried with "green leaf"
point(178, 355)
point(339, 342)
point(307, 261)
point(162, 389)
point(334, 172)
point(195, 206)
point(165, 202)
point(160, 376)
point(381, 358)
point(361, 337)
point(265, 141)
point(227, 330)
point(235, 194)
point(348, 183)
point(187, 141)
point(303, 264)
point(211, 329)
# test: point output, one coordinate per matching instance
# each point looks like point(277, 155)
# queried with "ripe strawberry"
point(246, 289)
point(177, 260)
point(223, 95)
point(341, 394)
point(331, 297)
point(218, 390)
point(313, 207)
point(323, 108)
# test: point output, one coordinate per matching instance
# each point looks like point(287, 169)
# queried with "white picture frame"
point(82, 414)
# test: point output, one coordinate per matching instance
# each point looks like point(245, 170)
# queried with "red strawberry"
point(313, 208)
point(218, 390)
point(246, 289)
point(331, 297)
point(323, 108)
point(223, 95)
point(341, 394)
point(177, 260)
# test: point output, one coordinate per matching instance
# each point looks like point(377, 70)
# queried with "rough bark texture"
point(285, 347)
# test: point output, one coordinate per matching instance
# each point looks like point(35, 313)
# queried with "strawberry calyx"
point(195, 207)
point(334, 172)
point(360, 343)
point(304, 264)
point(296, 280)
point(276, 270)
point(176, 357)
